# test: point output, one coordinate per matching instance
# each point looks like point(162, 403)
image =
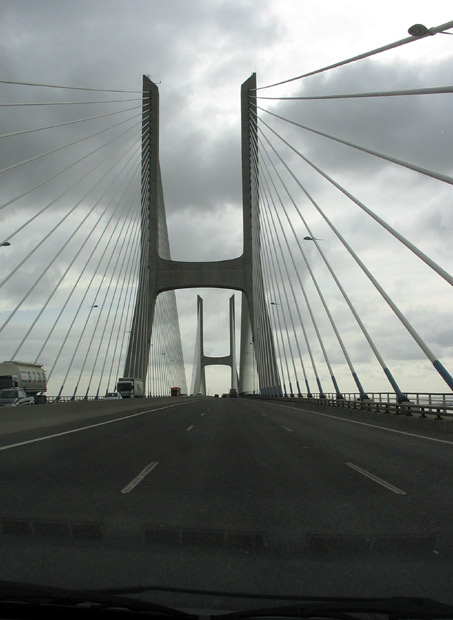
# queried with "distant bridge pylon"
point(201, 360)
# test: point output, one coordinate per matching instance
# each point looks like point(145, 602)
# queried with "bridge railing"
point(422, 408)
point(69, 399)
point(418, 398)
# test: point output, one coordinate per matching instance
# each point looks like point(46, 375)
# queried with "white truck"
point(130, 387)
point(31, 378)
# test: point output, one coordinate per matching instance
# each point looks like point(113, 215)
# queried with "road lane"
point(238, 489)
point(77, 428)
point(409, 460)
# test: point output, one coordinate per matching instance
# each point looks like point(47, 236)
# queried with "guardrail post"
point(438, 416)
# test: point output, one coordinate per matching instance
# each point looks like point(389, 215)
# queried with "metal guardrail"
point(419, 398)
point(406, 409)
point(69, 399)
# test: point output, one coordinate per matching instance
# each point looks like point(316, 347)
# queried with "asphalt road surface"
point(231, 495)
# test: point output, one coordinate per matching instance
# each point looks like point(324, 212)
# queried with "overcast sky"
point(199, 52)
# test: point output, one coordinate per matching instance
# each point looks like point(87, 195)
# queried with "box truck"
point(130, 387)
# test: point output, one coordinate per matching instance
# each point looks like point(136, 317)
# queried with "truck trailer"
point(25, 376)
point(130, 387)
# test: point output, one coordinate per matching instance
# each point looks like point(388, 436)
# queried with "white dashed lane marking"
point(133, 483)
point(371, 476)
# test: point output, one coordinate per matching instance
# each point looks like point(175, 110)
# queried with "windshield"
point(225, 299)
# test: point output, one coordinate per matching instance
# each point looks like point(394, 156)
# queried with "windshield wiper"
point(396, 608)
point(13, 593)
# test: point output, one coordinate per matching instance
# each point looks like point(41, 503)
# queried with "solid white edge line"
point(133, 483)
point(371, 476)
point(382, 428)
point(84, 428)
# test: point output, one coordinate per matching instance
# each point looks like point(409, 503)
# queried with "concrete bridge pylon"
point(201, 360)
point(159, 273)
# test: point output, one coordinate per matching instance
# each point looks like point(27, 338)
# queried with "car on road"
point(112, 396)
point(15, 397)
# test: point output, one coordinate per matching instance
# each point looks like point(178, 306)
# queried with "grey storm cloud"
point(200, 52)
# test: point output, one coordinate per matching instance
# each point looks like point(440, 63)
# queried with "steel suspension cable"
point(411, 39)
point(52, 103)
point(289, 279)
point(399, 394)
point(128, 317)
point(79, 251)
point(257, 329)
point(426, 259)
point(112, 215)
point(318, 381)
point(278, 332)
point(50, 204)
point(65, 146)
point(132, 254)
point(270, 251)
point(79, 120)
point(128, 252)
point(41, 211)
point(144, 194)
point(99, 288)
point(437, 90)
point(88, 289)
point(122, 255)
point(103, 90)
point(123, 321)
point(363, 395)
point(394, 160)
point(436, 363)
point(296, 340)
point(141, 311)
point(63, 247)
point(261, 318)
point(66, 168)
point(266, 202)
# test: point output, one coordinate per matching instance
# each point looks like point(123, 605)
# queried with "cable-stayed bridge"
point(344, 217)
point(337, 298)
